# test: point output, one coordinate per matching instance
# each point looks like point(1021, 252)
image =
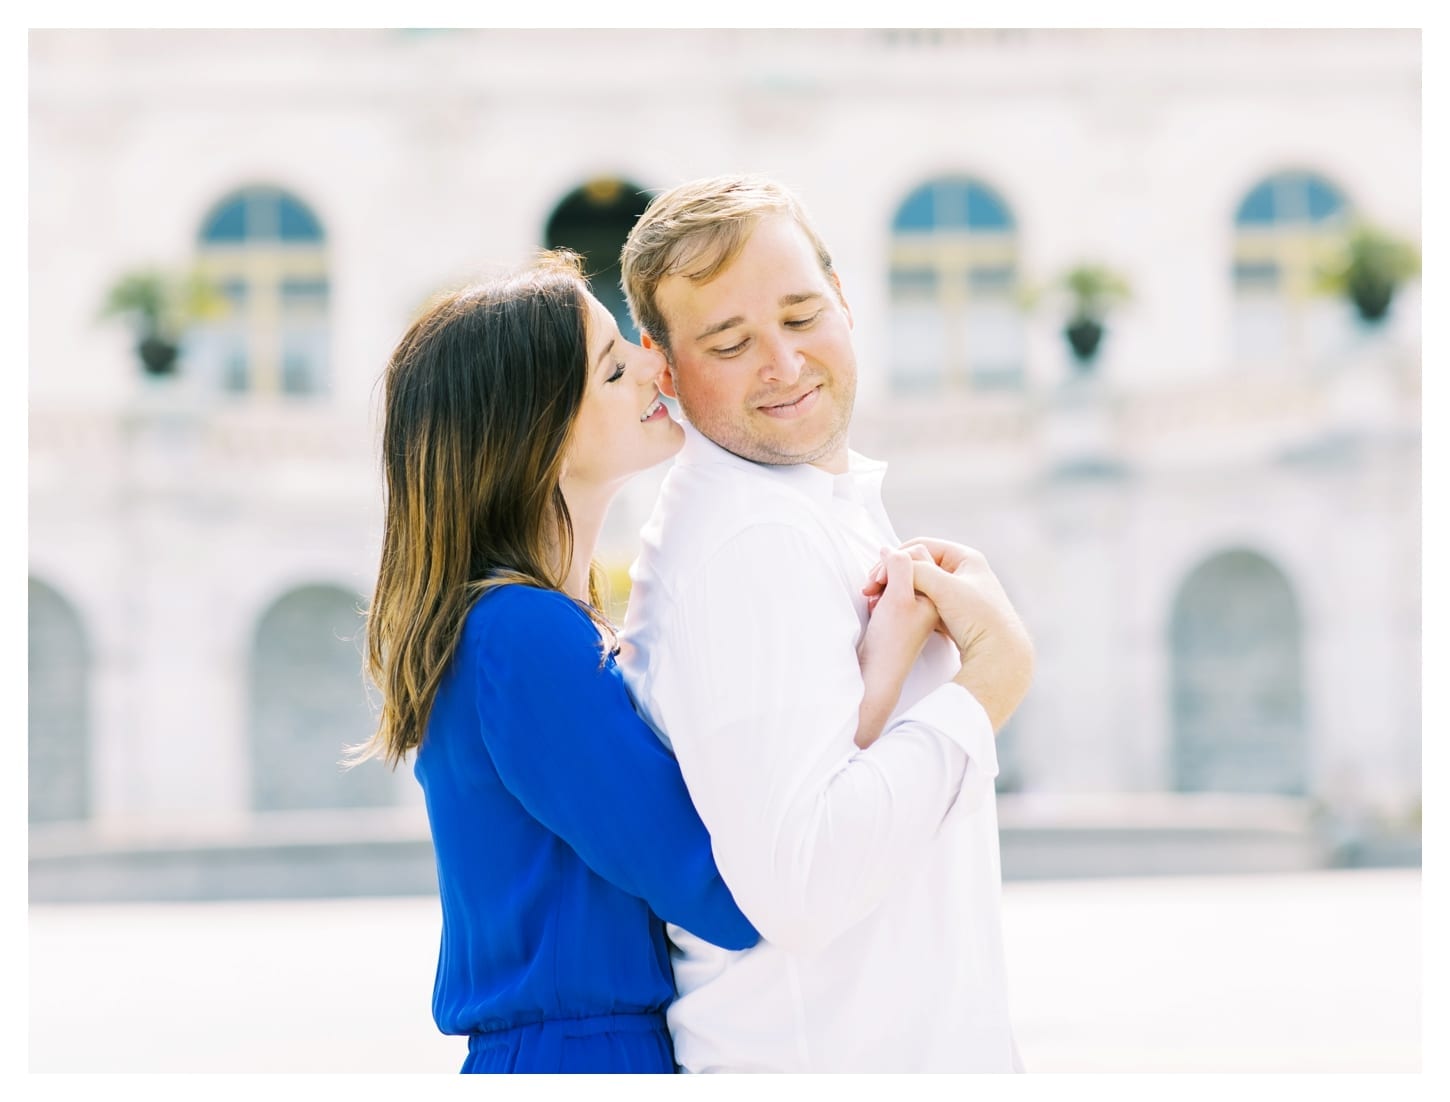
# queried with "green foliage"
point(161, 304)
point(1368, 268)
point(1086, 291)
point(1092, 290)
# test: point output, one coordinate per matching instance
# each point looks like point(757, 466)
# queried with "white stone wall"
point(171, 518)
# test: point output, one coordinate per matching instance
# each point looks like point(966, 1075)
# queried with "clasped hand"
point(929, 584)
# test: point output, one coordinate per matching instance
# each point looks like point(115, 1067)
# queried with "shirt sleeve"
point(754, 676)
point(564, 736)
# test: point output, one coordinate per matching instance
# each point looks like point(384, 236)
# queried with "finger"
point(876, 580)
point(949, 556)
point(942, 552)
point(928, 579)
point(899, 579)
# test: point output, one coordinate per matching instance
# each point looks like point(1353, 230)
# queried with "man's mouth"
point(795, 407)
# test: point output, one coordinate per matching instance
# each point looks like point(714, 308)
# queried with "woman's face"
point(622, 427)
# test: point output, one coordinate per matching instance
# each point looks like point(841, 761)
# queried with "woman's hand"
point(997, 654)
point(901, 622)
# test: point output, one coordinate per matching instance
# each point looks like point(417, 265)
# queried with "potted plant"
point(160, 305)
point(1087, 293)
point(1369, 267)
point(1092, 291)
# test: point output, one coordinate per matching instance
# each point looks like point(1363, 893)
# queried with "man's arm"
point(756, 680)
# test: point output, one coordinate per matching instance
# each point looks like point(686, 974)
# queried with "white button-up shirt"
point(872, 875)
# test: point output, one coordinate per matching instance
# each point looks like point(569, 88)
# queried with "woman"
point(561, 826)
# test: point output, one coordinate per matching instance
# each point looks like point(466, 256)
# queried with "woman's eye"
point(801, 323)
point(618, 371)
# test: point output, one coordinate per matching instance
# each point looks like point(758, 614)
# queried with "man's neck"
point(838, 462)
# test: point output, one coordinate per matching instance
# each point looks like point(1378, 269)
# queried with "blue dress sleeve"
point(563, 734)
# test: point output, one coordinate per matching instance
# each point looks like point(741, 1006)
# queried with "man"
point(871, 874)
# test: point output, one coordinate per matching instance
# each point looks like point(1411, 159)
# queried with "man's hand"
point(997, 655)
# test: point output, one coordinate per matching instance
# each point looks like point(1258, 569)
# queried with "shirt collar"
point(861, 482)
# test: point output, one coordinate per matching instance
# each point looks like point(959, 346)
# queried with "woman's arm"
point(566, 741)
point(901, 622)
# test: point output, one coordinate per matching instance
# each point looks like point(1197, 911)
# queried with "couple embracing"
point(755, 828)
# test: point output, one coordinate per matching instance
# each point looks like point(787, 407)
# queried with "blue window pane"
point(1258, 209)
point(235, 292)
point(952, 204)
point(234, 370)
point(985, 211)
point(296, 374)
point(988, 280)
point(920, 282)
point(304, 294)
point(950, 198)
point(1256, 275)
point(261, 214)
point(295, 221)
point(915, 215)
point(993, 376)
point(1290, 198)
point(1324, 201)
point(304, 359)
point(228, 223)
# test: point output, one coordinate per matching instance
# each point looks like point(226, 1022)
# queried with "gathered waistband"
point(643, 1022)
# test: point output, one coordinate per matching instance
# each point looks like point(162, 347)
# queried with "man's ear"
point(667, 377)
point(846, 306)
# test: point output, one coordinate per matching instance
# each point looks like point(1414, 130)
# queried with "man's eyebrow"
point(799, 296)
point(721, 326)
point(731, 323)
point(600, 358)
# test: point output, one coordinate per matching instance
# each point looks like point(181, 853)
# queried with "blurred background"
point(1137, 313)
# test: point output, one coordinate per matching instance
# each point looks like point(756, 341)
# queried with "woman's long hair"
point(480, 397)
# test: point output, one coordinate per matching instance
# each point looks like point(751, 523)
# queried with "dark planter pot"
point(158, 357)
point(1083, 336)
point(1371, 297)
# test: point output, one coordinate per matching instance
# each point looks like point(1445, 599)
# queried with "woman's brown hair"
point(480, 397)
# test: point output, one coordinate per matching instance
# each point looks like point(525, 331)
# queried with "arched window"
point(59, 686)
point(1238, 704)
point(1284, 230)
point(955, 323)
point(308, 704)
point(264, 250)
point(594, 220)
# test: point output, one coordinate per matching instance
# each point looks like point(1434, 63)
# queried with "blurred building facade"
point(1212, 528)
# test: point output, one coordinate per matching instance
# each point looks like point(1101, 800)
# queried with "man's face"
point(762, 360)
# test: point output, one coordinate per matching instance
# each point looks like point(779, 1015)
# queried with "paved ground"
point(1307, 972)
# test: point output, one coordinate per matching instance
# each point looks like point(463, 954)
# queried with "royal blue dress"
point(563, 835)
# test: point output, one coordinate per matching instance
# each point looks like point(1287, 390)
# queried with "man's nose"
point(783, 359)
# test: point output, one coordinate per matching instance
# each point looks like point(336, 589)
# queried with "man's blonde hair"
point(695, 230)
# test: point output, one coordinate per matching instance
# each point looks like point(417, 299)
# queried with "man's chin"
point(782, 453)
point(774, 450)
